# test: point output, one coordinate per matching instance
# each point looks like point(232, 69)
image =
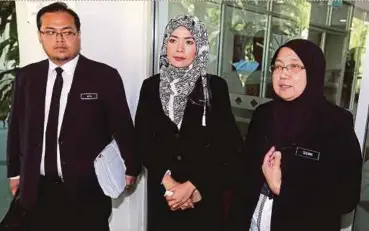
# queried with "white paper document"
point(110, 170)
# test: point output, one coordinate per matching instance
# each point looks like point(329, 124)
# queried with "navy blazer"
point(87, 127)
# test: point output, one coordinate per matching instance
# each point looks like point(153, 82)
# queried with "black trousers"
point(56, 210)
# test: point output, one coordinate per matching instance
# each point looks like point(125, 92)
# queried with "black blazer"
point(318, 186)
point(88, 126)
point(196, 153)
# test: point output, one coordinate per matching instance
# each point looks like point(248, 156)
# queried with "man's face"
point(59, 37)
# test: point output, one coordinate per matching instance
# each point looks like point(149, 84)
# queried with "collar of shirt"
point(68, 68)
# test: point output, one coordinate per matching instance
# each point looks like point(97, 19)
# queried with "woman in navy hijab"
point(302, 166)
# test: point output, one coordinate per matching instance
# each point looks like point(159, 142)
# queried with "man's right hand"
point(13, 185)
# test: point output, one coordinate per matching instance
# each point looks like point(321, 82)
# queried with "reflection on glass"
point(242, 53)
point(333, 55)
point(340, 16)
point(209, 14)
point(348, 78)
point(354, 67)
point(241, 60)
point(361, 222)
point(319, 11)
point(243, 4)
point(315, 36)
point(302, 12)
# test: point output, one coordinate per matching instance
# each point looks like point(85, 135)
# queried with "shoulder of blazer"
point(94, 66)
point(216, 81)
point(35, 66)
point(335, 116)
point(32, 69)
point(98, 73)
point(263, 110)
point(218, 86)
point(152, 79)
point(151, 83)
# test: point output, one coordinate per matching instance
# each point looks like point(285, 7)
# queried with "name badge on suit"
point(89, 96)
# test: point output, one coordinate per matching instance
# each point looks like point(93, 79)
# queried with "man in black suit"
point(65, 110)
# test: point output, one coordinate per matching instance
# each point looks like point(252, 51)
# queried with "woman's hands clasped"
point(182, 195)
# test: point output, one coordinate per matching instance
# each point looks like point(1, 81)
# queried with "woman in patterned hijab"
point(186, 133)
point(181, 74)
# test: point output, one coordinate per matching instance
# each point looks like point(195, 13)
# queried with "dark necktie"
point(51, 168)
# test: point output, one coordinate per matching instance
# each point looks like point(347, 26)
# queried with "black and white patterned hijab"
point(184, 78)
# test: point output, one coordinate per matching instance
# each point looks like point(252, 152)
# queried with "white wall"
point(117, 33)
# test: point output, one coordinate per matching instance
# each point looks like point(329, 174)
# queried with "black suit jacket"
point(196, 153)
point(87, 127)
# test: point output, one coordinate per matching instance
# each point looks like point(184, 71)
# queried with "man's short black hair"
point(57, 7)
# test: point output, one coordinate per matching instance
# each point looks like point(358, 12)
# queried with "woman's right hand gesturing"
point(272, 170)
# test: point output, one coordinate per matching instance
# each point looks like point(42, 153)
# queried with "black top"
point(321, 157)
point(195, 153)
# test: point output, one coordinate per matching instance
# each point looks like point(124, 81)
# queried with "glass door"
point(362, 212)
point(243, 35)
point(361, 222)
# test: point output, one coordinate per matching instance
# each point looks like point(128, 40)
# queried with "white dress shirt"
point(262, 215)
point(68, 73)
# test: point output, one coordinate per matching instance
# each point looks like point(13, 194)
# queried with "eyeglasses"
point(54, 34)
point(291, 68)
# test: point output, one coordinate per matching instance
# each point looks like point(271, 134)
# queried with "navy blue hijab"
point(291, 117)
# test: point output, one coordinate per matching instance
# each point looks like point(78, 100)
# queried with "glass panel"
point(9, 61)
point(241, 60)
point(361, 222)
point(209, 14)
point(348, 78)
point(319, 10)
point(255, 3)
point(242, 50)
point(315, 11)
point(333, 55)
point(340, 16)
point(354, 65)
point(315, 36)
